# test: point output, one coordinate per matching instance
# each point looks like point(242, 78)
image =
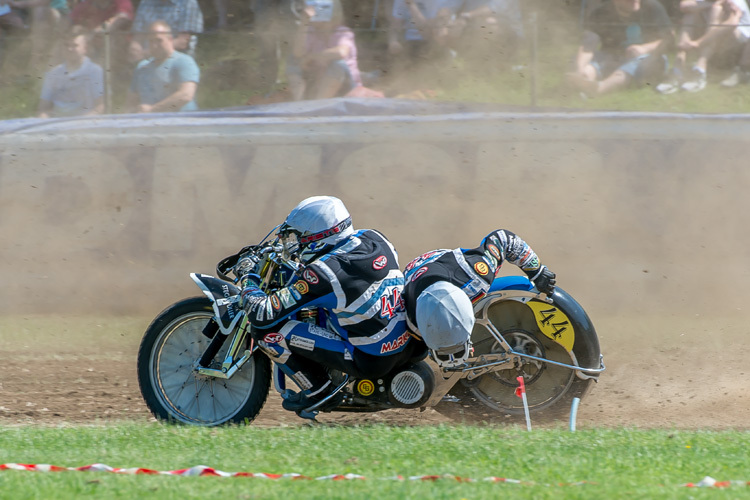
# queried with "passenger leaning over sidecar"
point(441, 286)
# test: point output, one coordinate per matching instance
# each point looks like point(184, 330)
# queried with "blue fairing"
point(511, 283)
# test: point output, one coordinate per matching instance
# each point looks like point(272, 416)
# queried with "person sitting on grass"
point(324, 54)
point(713, 31)
point(421, 30)
point(488, 32)
point(624, 43)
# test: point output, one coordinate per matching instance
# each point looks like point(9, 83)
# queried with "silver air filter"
point(407, 387)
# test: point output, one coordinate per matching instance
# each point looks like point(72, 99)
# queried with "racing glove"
point(246, 265)
point(544, 280)
point(250, 288)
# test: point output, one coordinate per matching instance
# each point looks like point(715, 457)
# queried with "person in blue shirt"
point(75, 87)
point(168, 80)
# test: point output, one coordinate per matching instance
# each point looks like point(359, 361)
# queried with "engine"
point(409, 386)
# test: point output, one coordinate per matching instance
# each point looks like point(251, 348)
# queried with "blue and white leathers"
point(359, 284)
point(473, 270)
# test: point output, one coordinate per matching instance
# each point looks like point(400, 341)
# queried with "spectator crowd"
point(633, 42)
point(148, 50)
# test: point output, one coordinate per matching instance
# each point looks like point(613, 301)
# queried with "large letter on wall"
point(415, 190)
point(547, 181)
point(59, 202)
point(192, 184)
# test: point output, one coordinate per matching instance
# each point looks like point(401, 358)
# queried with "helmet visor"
point(289, 239)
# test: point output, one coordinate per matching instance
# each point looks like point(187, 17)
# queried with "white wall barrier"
point(631, 210)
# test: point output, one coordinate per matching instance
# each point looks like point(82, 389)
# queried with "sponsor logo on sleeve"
point(419, 272)
point(365, 387)
point(275, 302)
point(310, 276)
point(301, 287)
point(380, 262)
point(302, 343)
point(424, 258)
point(496, 241)
point(285, 296)
point(494, 251)
point(253, 300)
point(533, 263)
point(491, 259)
point(273, 338)
point(482, 268)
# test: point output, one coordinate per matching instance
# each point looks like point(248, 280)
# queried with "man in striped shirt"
point(184, 16)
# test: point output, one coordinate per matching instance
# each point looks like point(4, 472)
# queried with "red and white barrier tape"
point(202, 470)
point(709, 482)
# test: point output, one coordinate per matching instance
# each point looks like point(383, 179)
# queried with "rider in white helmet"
point(355, 277)
point(441, 286)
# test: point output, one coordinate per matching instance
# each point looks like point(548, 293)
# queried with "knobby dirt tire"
point(172, 388)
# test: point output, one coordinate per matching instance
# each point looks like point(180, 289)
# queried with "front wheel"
point(170, 383)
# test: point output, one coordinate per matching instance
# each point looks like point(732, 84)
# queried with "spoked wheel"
point(545, 383)
point(170, 383)
point(549, 388)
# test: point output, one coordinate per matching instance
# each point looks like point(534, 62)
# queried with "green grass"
point(623, 463)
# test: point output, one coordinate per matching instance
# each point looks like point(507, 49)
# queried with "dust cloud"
point(641, 218)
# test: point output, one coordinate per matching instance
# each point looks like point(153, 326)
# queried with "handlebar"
point(269, 251)
point(271, 248)
point(226, 265)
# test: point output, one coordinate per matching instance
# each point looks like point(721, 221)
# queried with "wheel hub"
point(521, 342)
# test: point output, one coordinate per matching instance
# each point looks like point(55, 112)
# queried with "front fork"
point(236, 355)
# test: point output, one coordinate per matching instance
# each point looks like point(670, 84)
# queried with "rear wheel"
point(550, 389)
point(170, 383)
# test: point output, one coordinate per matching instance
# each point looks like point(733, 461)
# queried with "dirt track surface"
point(674, 372)
point(642, 228)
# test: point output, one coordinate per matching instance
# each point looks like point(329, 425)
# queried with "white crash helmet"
point(315, 226)
point(445, 318)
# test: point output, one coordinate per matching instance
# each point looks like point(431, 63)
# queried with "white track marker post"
point(521, 393)
point(574, 413)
